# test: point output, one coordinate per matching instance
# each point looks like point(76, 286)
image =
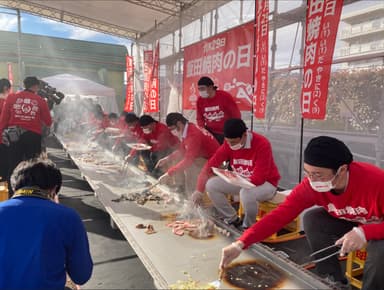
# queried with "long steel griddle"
point(167, 257)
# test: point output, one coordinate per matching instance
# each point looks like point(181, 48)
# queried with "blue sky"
point(41, 26)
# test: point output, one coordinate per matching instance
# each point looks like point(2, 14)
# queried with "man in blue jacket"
point(40, 240)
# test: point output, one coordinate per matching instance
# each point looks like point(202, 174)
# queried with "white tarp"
point(72, 85)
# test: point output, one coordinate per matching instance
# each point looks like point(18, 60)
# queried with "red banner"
point(10, 76)
point(227, 59)
point(261, 62)
point(148, 60)
point(320, 35)
point(129, 96)
point(151, 81)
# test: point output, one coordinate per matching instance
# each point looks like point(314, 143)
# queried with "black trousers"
point(27, 147)
point(323, 230)
point(4, 162)
point(150, 159)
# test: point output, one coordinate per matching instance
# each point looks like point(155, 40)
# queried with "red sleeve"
point(199, 114)
point(294, 204)
point(232, 108)
point(263, 162)
point(4, 117)
point(193, 144)
point(45, 115)
point(221, 155)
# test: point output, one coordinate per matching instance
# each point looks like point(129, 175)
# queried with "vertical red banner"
point(261, 62)
point(322, 21)
point(129, 97)
point(148, 59)
point(151, 82)
point(10, 76)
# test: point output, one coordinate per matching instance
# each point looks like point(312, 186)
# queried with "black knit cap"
point(234, 128)
point(327, 152)
point(146, 120)
point(205, 81)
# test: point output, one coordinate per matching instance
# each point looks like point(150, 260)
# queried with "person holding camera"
point(23, 115)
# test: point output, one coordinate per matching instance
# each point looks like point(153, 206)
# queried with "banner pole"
point(253, 65)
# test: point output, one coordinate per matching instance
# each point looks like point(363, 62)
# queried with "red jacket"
point(26, 110)
point(160, 138)
point(2, 101)
point(197, 143)
point(211, 113)
point(362, 202)
point(254, 161)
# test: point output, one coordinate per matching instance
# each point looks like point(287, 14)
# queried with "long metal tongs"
point(323, 258)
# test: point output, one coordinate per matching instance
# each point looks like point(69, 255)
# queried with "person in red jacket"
point(250, 155)
point(5, 88)
point(214, 107)
point(351, 213)
point(23, 116)
point(161, 140)
point(131, 132)
point(197, 146)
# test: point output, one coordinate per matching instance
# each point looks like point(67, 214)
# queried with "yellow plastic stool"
point(3, 190)
point(355, 267)
point(293, 227)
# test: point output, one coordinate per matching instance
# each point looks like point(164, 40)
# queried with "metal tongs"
point(323, 258)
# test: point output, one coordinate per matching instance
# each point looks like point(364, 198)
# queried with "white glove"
point(229, 253)
point(351, 241)
point(161, 162)
point(165, 178)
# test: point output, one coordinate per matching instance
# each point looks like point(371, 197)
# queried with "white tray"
point(233, 177)
point(139, 146)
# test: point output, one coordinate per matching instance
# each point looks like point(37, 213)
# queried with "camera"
point(50, 94)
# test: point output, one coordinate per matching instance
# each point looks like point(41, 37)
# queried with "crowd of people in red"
point(349, 194)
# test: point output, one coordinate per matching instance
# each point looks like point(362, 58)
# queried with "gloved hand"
point(229, 253)
point(161, 163)
point(164, 179)
point(197, 198)
point(351, 241)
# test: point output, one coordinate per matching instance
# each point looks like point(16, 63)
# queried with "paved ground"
point(116, 266)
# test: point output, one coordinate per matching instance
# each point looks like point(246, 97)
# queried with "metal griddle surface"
point(168, 257)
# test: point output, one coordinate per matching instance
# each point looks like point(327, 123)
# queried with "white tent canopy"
point(72, 85)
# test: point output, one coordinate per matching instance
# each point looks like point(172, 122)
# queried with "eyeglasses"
point(316, 175)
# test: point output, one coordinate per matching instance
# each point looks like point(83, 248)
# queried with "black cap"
point(234, 128)
point(173, 118)
point(327, 152)
point(205, 81)
point(146, 120)
point(30, 82)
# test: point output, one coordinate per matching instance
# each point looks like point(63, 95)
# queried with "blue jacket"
point(41, 241)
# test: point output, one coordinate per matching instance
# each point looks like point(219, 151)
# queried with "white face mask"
point(237, 146)
point(204, 94)
point(147, 131)
point(323, 186)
